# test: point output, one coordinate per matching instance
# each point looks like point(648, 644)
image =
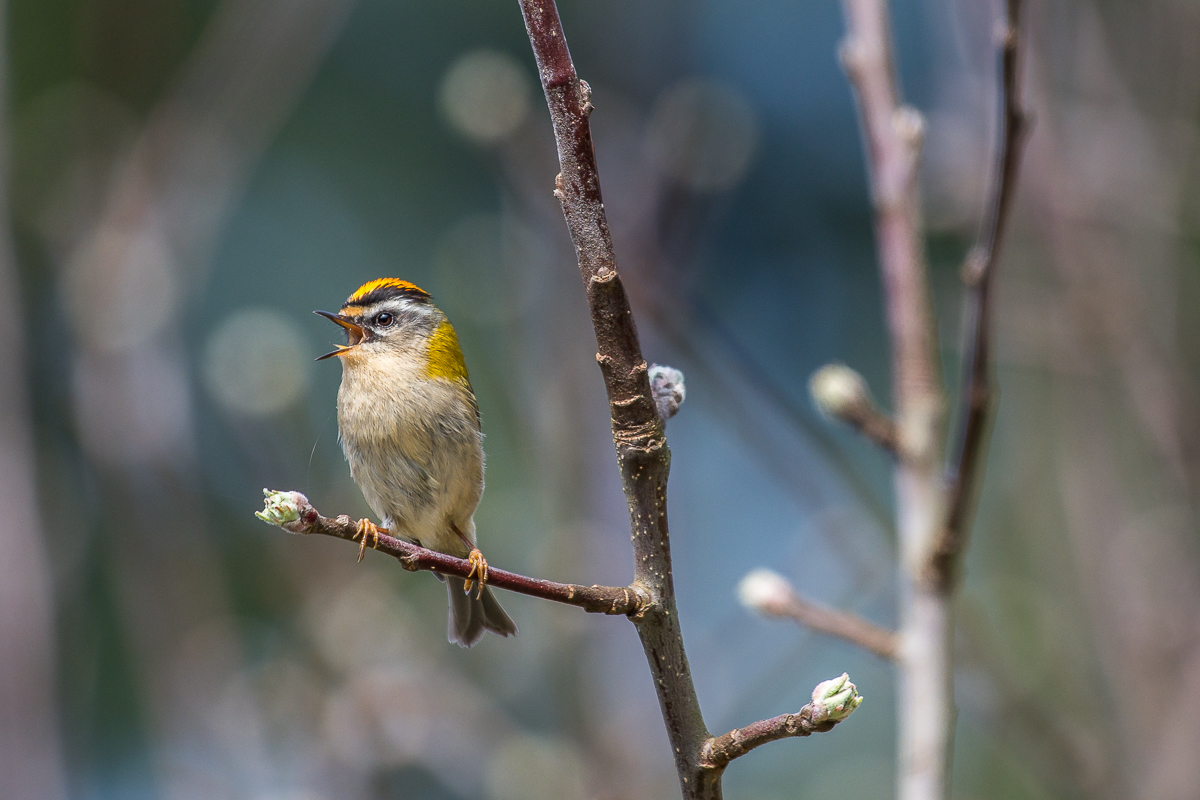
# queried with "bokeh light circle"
point(485, 95)
point(703, 134)
point(256, 362)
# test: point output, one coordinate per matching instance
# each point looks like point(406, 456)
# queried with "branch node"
point(603, 277)
point(585, 98)
point(974, 267)
point(909, 125)
point(850, 54)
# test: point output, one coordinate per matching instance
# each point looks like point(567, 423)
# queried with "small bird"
point(410, 428)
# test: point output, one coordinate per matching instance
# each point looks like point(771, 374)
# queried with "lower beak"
point(354, 331)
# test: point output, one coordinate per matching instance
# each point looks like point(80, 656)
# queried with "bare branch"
point(844, 625)
point(978, 393)
point(292, 512)
point(642, 454)
point(832, 702)
point(771, 594)
point(893, 133)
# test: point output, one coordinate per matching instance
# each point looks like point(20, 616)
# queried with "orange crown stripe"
point(382, 288)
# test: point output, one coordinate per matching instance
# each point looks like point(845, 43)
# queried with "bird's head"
point(382, 315)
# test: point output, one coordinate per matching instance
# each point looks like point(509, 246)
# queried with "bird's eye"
point(384, 319)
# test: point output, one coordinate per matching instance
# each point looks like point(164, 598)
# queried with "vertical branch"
point(642, 453)
point(892, 133)
point(30, 752)
point(932, 516)
point(978, 394)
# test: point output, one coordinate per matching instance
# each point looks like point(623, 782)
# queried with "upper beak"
point(355, 332)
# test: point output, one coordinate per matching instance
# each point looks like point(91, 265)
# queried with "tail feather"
point(471, 615)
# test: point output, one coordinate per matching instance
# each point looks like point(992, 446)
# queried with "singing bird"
point(410, 428)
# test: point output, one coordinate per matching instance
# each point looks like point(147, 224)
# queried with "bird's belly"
point(420, 479)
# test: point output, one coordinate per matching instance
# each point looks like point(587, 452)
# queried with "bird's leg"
point(364, 529)
point(479, 565)
point(479, 568)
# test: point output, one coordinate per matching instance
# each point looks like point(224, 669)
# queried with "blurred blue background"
point(189, 179)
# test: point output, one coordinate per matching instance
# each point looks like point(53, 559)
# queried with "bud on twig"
point(765, 591)
point(838, 391)
point(666, 384)
point(841, 393)
point(834, 700)
point(285, 509)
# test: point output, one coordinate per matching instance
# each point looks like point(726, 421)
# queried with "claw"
point(364, 529)
point(479, 570)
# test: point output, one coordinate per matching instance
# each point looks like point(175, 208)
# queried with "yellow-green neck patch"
point(445, 356)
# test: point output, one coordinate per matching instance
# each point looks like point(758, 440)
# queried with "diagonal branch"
point(978, 392)
point(770, 594)
point(844, 625)
point(832, 702)
point(292, 512)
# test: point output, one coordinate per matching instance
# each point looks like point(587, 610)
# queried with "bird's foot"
point(479, 570)
point(364, 529)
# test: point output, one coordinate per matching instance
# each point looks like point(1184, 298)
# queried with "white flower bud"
point(764, 591)
point(838, 391)
point(668, 389)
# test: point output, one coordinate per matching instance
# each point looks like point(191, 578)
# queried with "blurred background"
point(188, 179)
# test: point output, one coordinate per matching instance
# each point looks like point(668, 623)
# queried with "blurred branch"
point(31, 756)
point(893, 133)
point(771, 594)
point(931, 514)
point(978, 392)
point(832, 701)
point(147, 246)
point(293, 512)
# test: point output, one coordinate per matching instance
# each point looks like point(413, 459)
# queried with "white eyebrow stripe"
point(400, 306)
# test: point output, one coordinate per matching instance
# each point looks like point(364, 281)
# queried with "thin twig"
point(769, 593)
point(978, 391)
point(842, 624)
point(739, 741)
point(302, 518)
point(832, 702)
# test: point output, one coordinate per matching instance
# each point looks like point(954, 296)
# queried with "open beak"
point(356, 333)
